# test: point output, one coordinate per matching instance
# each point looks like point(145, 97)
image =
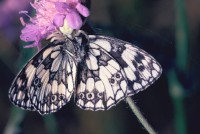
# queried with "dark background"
point(168, 29)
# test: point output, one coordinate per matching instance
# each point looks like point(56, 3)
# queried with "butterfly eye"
point(90, 96)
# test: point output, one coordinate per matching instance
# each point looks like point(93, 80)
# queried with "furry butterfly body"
point(99, 72)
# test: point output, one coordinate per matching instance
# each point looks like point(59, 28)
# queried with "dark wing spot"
point(139, 57)
point(61, 97)
point(36, 81)
point(141, 68)
point(118, 76)
point(100, 95)
point(53, 98)
point(112, 81)
point(90, 96)
point(81, 95)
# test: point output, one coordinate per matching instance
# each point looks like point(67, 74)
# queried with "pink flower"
point(50, 16)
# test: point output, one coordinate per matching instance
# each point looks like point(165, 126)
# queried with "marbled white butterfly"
point(100, 71)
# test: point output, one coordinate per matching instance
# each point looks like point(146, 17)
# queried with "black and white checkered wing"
point(47, 82)
point(114, 69)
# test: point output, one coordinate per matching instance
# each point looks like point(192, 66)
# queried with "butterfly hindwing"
point(114, 69)
point(102, 84)
point(47, 82)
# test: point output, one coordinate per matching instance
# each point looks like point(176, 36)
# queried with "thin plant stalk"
point(139, 115)
point(50, 123)
point(176, 88)
point(177, 95)
point(15, 119)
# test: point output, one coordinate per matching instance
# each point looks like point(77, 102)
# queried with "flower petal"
point(58, 20)
point(62, 7)
point(74, 20)
point(30, 33)
point(82, 10)
point(35, 44)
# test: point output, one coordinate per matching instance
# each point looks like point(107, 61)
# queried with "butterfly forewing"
point(47, 82)
point(114, 69)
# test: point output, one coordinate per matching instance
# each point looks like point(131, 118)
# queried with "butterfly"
point(99, 71)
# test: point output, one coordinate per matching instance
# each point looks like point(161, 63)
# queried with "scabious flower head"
point(51, 16)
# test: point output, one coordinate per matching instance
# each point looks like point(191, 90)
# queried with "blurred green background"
point(168, 29)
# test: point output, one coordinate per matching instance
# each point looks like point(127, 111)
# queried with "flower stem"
point(13, 125)
point(50, 123)
point(140, 117)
